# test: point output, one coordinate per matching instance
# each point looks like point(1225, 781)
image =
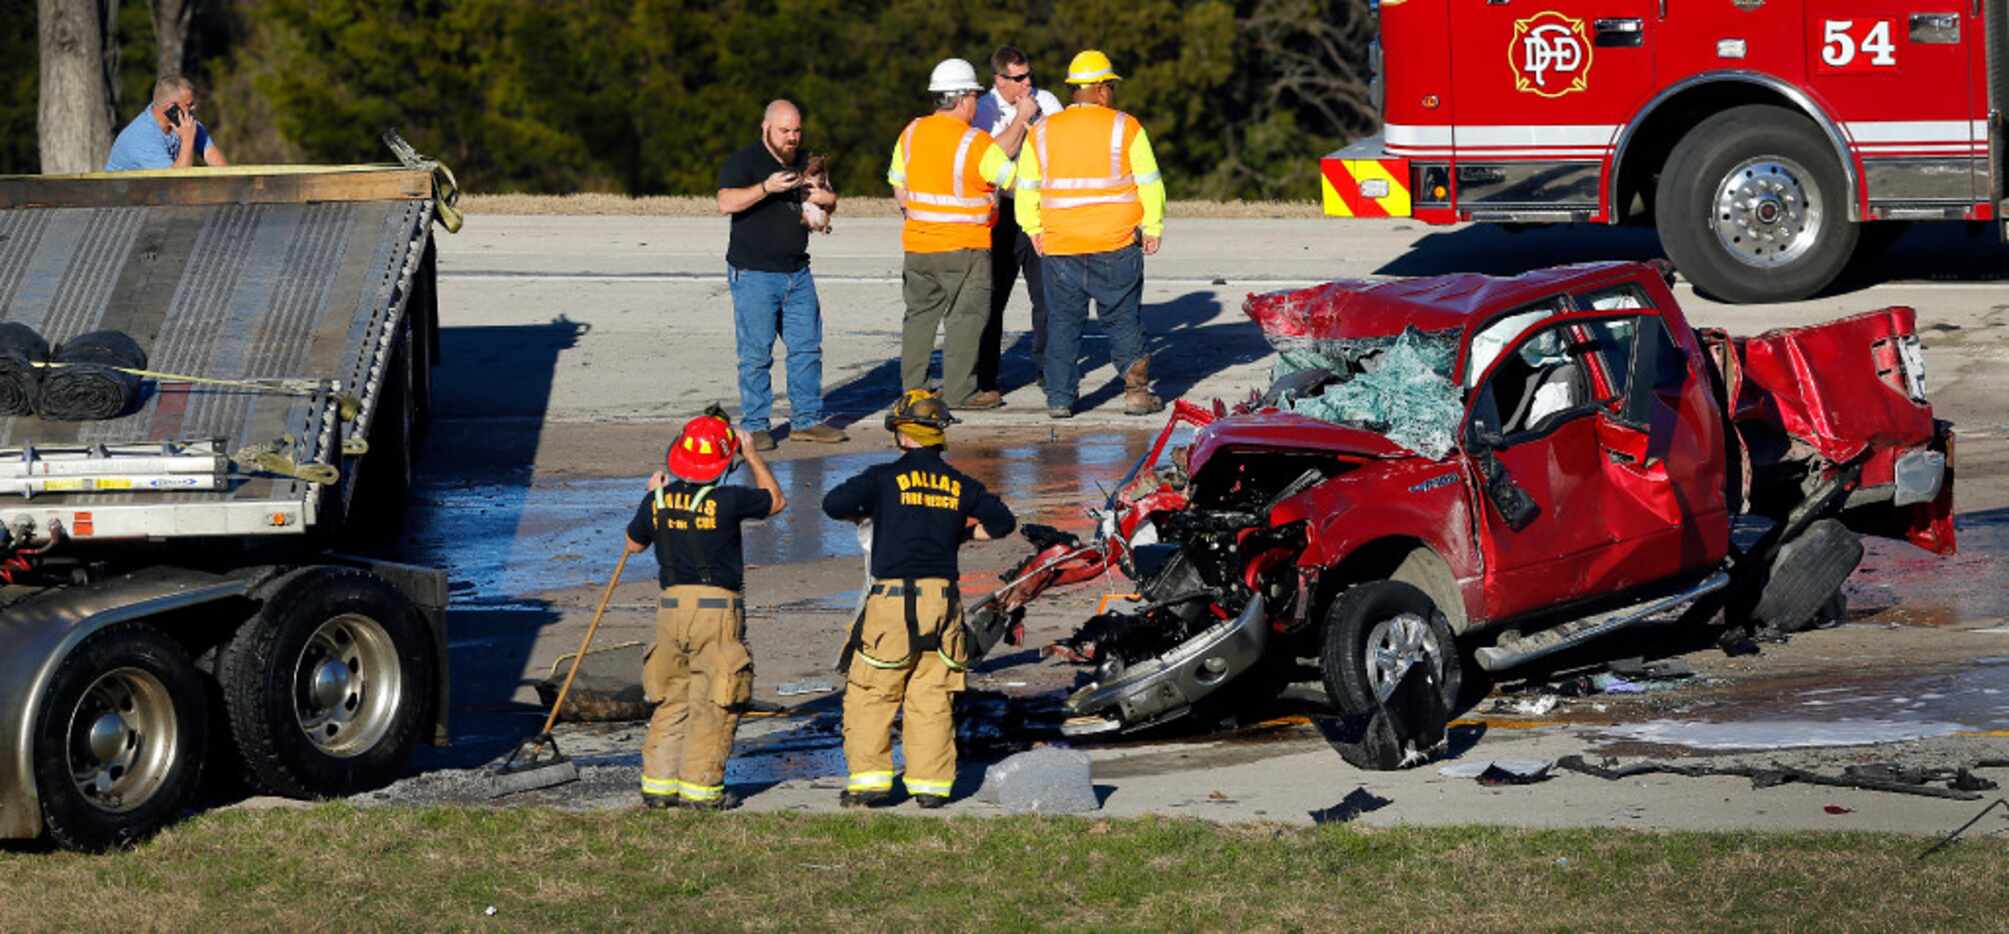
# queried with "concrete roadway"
point(577, 342)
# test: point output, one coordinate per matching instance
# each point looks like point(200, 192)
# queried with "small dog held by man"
point(816, 177)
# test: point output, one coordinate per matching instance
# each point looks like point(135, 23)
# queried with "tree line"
point(647, 96)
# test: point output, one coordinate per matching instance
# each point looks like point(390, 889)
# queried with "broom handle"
point(598, 612)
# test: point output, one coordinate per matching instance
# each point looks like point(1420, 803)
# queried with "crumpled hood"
point(1289, 431)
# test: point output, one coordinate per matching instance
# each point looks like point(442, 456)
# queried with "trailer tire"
point(1388, 614)
point(329, 687)
point(1753, 207)
point(148, 733)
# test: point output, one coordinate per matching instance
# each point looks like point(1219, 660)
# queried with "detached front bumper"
point(1363, 180)
point(1174, 681)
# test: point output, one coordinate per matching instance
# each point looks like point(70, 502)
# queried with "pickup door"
point(1608, 427)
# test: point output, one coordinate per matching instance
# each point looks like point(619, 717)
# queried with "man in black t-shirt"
point(767, 266)
point(906, 653)
point(700, 674)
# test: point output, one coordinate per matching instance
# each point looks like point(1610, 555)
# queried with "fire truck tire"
point(1372, 632)
point(1753, 207)
point(119, 739)
point(327, 689)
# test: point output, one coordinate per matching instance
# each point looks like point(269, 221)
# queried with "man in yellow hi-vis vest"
point(945, 174)
point(1090, 197)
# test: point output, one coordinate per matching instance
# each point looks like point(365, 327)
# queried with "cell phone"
point(174, 115)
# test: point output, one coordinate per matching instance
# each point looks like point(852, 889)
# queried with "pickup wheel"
point(119, 739)
point(1753, 207)
point(328, 687)
point(1373, 634)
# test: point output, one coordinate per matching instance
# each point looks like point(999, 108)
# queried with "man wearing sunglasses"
point(1008, 114)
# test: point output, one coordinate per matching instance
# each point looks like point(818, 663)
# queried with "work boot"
point(762, 440)
point(659, 802)
point(931, 802)
point(1137, 397)
point(821, 434)
point(982, 399)
point(864, 799)
point(726, 801)
point(1060, 411)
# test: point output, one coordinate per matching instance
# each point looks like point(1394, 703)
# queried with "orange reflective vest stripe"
point(1088, 199)
point(950, 205)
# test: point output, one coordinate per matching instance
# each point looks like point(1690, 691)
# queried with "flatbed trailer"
point(175, 592)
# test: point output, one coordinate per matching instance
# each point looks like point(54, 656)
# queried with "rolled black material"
point(87, 387)
point(20, 380)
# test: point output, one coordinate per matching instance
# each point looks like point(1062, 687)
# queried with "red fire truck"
point(1767, 140)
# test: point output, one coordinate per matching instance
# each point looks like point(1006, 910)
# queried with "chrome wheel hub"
point(1395, 645)
point(1767, 212)
point(347, 685)
point(123, 738)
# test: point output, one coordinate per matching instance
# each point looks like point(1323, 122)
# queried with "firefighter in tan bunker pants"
point(700, 673)
point(906, 653)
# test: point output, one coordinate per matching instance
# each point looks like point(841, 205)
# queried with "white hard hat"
point(953, 74)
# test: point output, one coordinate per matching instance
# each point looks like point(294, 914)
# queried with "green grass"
point(337, 868)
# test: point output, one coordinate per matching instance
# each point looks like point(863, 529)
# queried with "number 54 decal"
point(1857, 45)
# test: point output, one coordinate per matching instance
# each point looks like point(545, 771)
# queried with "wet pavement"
point(502, 540)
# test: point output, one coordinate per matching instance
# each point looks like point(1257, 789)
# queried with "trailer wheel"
point(327, 688)
point(120, 738)
point(1373, 634)
point(1752, 207)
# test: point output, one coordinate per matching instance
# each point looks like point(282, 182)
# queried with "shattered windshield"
point(1400, 387)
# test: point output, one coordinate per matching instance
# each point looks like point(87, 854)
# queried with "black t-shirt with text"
point(919, 506)
point(696, 531)
point(769, 236)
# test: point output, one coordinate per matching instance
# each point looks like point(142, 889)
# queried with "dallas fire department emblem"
point(1550, 54)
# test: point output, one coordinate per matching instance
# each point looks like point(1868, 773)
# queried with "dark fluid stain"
point(1976, 697)
point(1897, 583)
point(501, 542)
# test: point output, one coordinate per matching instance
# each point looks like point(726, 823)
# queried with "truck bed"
point(220, 275)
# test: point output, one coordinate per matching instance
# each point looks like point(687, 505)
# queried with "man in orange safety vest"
point(1090, 197)
point(945, 174)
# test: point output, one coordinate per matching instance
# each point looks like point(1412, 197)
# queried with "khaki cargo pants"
point(950, 292)
point(700, 677)
point(887, 677)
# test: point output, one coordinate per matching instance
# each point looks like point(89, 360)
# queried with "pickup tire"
point(1369, 629)
point(328, 688)
point(1753, 207)
point(120, 738)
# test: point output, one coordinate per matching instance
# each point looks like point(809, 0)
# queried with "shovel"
point(537, 762)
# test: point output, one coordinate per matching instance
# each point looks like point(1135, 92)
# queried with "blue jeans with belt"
point(1115, 280)
point(766, 305)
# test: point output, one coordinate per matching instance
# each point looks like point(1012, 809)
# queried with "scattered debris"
point(1357, 802)
point(1886, 778)
point(1838, 809)
point(1780, 734)
point(2002, 803)
point(794, 688)
point(1500, 771)
point(1046, 780)
point(1528, 706)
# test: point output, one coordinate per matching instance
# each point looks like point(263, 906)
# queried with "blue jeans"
point(1115, 280)
point(765, 304)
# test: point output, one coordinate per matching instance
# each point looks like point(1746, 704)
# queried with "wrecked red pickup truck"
point(1472, 471)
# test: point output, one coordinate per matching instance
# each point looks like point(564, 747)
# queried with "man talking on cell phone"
point(166, 135)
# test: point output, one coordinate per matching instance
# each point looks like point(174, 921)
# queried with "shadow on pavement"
point(1926, 251)
point(491, 391)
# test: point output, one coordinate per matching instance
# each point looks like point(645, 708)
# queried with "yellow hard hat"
point(1091, 67)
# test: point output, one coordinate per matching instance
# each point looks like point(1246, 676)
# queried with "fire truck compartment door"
point(1898, 74)
point(1545, 82)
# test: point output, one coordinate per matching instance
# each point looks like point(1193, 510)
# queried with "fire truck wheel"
point(119, 739)
point(1752, 207)
point(1373, 634)
point(327, 688)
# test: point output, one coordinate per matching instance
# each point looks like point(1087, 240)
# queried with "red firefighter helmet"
point(704, 450)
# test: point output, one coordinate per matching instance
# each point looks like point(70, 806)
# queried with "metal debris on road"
point(793, 688)
point(1357, 802)
point(1894, 779)
point(1500, 771)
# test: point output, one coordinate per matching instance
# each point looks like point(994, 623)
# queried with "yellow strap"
point(870, 781)
point(351, 406)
